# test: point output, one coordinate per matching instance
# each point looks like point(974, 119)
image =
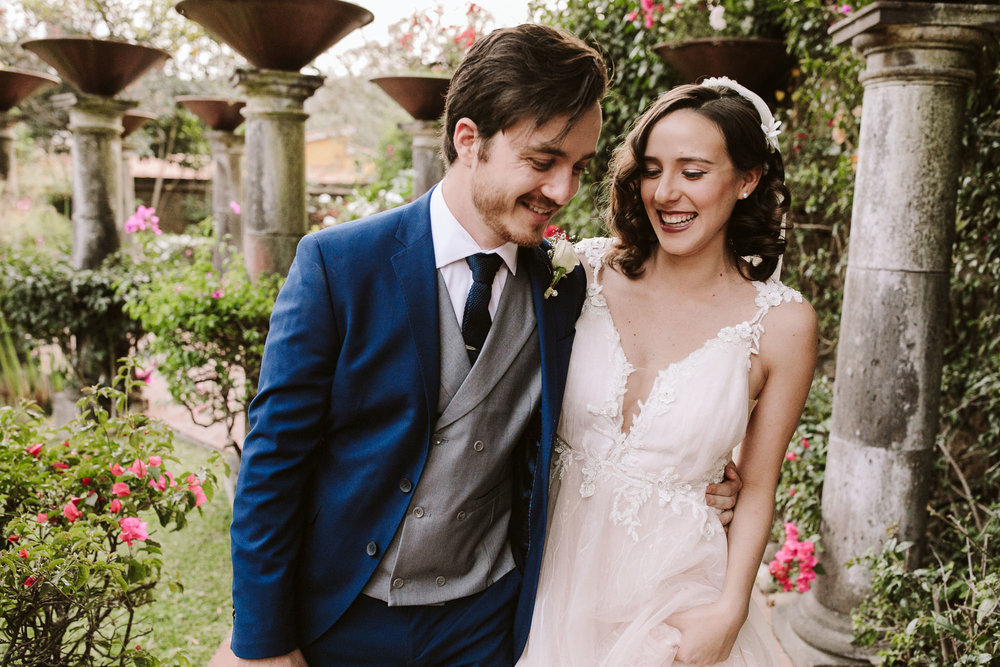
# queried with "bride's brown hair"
point(755, 226)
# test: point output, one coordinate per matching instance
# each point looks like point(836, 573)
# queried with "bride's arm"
point(788, 357)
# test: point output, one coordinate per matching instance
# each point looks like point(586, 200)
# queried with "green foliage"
point(207, 326)
point(392, 185)
point(942, 614)
point(44, 300)
point(800, 488)
point(75, 563)
point(694, 19)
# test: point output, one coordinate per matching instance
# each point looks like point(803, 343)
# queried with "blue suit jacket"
point(346, 403)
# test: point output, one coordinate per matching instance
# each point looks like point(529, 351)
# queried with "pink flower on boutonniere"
point(562, 257)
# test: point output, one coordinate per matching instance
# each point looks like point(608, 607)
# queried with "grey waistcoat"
point(453, 539)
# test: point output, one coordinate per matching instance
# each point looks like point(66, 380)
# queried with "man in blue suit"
point(391, 500)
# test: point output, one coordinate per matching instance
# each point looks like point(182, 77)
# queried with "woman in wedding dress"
point(687, 347)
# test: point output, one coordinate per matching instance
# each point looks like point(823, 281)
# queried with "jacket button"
point(478, 446)
point(437, 440)
point(461, 515)
point(405, 485)
point(371, 549)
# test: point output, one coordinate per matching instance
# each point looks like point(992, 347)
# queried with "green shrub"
point(76, 561)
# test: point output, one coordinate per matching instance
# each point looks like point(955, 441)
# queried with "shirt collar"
point(453, 243)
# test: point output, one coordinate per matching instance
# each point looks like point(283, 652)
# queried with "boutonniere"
point(562, 257)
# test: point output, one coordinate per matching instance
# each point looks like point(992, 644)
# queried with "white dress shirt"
point(452, 244)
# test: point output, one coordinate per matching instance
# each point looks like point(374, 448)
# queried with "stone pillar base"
point(814, 636)
point(263, 252)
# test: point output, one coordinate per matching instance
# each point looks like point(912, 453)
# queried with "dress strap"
point(595, 250)
point(771, 293)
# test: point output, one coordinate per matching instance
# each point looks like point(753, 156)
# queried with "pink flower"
point(234, 207)
point(116, 470)
point(144, 375)
point(29, 581)
point(790, 456)
point(70, 511)
point(170, 477)
point(155, 461)
point(34, 449)
point(85, 481)
point(59, 465)
point(792, 492)
point(115, 507)
point(844, 9)
point(139, 468)
point(23, 554)
point(631, 16)
point(23, 204)
point(121, 489)
point(195, 487)
point(160, 484)
point(805, 444)
point(218, 294)
point(133, 529)
point(42, 517)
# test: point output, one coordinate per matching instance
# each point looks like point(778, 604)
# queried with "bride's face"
point(689, 184)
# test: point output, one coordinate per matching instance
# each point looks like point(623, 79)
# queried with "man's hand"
point(724, 494)
point(293, 659)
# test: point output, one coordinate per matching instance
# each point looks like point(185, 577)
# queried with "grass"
point(193, 622)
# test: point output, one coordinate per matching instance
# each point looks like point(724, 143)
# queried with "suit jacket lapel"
point(540, 276)
point(416, 275)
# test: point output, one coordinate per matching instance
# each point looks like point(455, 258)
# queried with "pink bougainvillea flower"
point(70, 511)
point(792, 492)
point(170, 476)
point(790, 456)
point(60, 465)
point(218, 294)
point(133, 529)
point(29, 581)
point(115, 507)
point(805, 444)
point(121, 489)
point(195, 487)
point(234, 207)
point(116, 470)
point(139, 468)
point(155, 461)
point(844, 9)
point(42, 517)
point(160, 484)
point(145, 375)
point(34, 449)
point(23, 554)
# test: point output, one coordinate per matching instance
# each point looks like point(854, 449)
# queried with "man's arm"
point(286, 424)
point(723, 495)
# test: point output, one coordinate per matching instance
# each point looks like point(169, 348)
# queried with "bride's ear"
point(750, 180)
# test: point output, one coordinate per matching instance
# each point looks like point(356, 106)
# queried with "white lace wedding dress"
point(630, 538)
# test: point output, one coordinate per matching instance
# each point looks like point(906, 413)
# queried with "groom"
point(391, 501)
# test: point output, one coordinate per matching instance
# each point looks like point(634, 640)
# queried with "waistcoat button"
point(397, 582)
point(440, 581)
point(478, 446)
point(418, 512)
point(461, 515)
point(405, 485)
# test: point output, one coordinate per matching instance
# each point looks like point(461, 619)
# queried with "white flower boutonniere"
point(562, 257)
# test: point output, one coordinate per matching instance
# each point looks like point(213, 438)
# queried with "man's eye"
point(541, 165)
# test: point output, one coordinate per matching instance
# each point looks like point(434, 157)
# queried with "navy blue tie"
point(476, 320)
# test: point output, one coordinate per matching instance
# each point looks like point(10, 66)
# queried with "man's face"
point(526, 175)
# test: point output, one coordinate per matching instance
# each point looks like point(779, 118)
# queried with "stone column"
point(8, 165)
point(920, 62)
point(428, 168)
point(227, 187)
point(96, 125)
point(274, 207)
point(128, 185)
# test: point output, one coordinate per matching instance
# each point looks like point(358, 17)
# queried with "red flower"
point(28, 582)
point(195, 487)
point(790, 456)
point(13, 538)
point(42, 517)
point(115, 507)
point(805, 444)
point(116, 470)
point(23, 554)
point(59, 465)
point(133, 529)
point(85, 481)
point(554, 230)
point(121, 489)
point(34, 449)
point(71, 512)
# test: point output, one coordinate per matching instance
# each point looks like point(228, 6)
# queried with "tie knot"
point(484, 266)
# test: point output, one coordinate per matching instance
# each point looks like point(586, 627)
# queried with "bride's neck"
point(691, 275)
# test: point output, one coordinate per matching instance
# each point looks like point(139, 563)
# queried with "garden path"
point(160, 405)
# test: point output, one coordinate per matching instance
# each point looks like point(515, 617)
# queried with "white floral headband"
point(768, 124)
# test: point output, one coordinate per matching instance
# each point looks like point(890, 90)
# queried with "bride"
point(687, 347)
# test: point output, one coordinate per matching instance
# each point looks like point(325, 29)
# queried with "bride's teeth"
point(677, 219)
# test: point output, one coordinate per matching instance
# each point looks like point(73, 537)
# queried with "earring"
point(743, 195)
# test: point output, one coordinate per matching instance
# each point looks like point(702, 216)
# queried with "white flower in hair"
point(767, 122)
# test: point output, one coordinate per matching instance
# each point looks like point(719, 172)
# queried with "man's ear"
point(465, 140)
